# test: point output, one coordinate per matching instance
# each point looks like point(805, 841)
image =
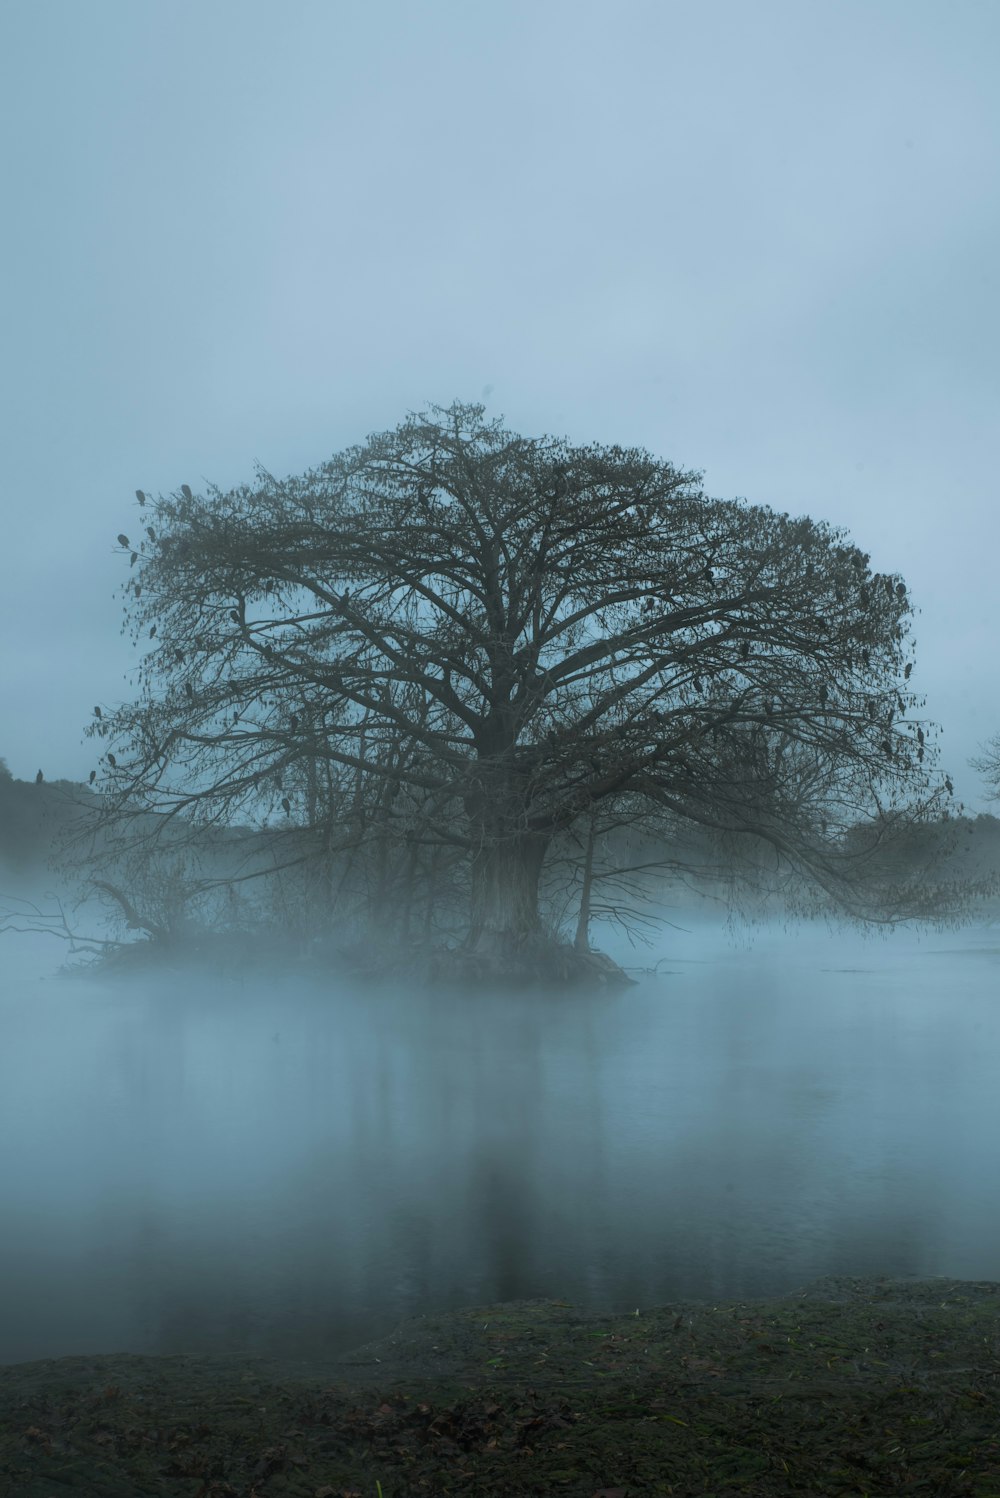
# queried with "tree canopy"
point(471, 640)
point(987, 762)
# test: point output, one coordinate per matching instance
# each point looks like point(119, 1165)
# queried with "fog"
point(293, 1167)
point(756, 241)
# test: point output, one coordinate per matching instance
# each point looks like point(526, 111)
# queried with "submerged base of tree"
point(536, 961)
point(541, 961)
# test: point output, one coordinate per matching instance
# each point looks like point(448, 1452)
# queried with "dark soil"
point(846, 1387)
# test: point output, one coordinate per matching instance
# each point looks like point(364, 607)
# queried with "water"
point(244, 1167)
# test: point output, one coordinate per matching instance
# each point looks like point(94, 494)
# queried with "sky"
point(760, 240)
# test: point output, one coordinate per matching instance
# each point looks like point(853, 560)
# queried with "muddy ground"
point(848, 1386)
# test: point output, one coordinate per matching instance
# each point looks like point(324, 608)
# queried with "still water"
point(235, 1167)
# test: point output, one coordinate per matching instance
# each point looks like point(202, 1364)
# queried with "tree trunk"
point(505, 874)
point(409, 884)
point(582, 941)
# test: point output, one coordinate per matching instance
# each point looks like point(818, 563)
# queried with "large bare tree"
point(465, 638)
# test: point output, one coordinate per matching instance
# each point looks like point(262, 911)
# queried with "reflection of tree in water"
point(503, 1211)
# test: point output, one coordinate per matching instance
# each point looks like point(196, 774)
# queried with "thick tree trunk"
point(505, 874)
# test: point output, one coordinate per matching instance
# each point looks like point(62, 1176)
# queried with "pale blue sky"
point(758, 238)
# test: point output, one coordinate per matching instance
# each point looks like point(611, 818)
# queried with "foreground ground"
point(846, 1387)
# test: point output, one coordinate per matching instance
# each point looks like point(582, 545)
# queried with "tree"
point(988, 765)
point(475, 639)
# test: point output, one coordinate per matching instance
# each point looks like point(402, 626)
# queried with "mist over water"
point(292, 1167)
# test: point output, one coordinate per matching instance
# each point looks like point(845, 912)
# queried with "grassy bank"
point(847, 1387)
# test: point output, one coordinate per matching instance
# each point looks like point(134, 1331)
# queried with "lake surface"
point(247, 1167)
